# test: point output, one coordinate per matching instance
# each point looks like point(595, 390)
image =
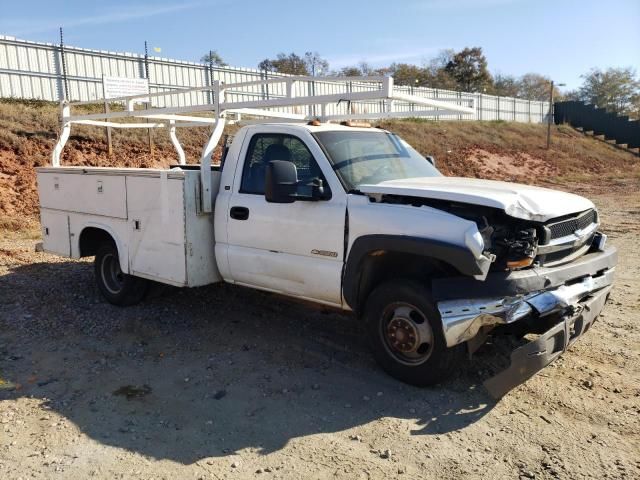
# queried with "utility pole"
point(550, 116)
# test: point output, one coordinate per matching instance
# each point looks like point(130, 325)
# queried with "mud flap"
point(529, 359)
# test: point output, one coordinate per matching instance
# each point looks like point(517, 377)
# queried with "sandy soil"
point(501, 165)
point(223, 382)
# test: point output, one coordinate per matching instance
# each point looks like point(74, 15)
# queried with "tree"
point(442, 58)
point(351, 71)
point(362, 69)
point(469, 69)
point(380, 72)
point(439, 79)
point(408, 75)
point(634, 109)
point(571, 95)
point(534, 86)
point(366, 69)
point(316, 65)
point(434, 71)
point(505, 86)
point(292, 64)
point(616, 89)
point(213, 58)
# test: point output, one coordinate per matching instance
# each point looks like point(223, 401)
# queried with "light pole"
point(550, 116)
point(413, 85)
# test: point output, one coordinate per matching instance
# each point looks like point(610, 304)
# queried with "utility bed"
point(155, 215)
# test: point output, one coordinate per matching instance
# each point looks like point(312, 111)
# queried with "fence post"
point(146, 71)
point(106, 110)
point(262, 91)
point(63, 60)
point(211, 76)
point(311, 91)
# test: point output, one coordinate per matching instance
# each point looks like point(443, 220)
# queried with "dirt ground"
point(224, 382)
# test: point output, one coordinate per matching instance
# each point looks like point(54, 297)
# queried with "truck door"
point(292, 248)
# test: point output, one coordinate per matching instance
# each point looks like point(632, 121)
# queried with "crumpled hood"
point(520, 201)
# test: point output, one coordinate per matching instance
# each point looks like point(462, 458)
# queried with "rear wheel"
point(116, 286)
point(405, 333)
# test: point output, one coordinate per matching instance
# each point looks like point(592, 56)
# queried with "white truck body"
point(152, 215)
point(342, 216)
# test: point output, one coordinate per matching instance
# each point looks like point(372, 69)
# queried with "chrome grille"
point(557, 249)
point(567, 227)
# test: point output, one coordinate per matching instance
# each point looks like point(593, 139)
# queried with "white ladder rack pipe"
point(382, 90)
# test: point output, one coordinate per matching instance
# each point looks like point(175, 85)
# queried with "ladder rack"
point(224, 108)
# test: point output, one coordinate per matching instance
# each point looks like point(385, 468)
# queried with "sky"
point(561, 39)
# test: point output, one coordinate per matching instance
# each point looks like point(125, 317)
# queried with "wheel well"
point(381, 266)
point(91, 238)
point(376, 258)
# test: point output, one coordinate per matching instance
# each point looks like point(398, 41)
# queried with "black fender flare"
point(458, 256)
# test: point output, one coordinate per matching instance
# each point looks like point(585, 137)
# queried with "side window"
point(265, 147)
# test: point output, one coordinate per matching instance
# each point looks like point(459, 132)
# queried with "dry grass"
point(16, 228)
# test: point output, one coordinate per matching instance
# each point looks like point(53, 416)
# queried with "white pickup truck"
point(351, 217)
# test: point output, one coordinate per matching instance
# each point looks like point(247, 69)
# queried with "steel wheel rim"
point(112, 276)
point(406, 333)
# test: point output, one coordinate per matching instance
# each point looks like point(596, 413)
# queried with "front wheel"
point(404, 330)
point(115, 285)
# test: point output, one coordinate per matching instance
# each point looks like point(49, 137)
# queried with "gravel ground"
point(224, 382)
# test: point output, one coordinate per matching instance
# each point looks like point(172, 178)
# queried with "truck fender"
point(122, 248)
point(459, 257)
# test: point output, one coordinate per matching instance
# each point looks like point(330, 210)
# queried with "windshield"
point(361, 158)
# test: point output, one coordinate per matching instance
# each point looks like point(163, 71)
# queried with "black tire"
point(117, 287)
point(405, 333)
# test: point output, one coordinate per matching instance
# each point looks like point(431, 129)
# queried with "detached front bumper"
point(527, 360)
point(573, 293)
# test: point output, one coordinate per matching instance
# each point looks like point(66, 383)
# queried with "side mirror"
point(282, 184)
point(431, 160)
point(281, 180)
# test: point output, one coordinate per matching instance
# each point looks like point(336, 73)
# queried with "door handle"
point(239, 213)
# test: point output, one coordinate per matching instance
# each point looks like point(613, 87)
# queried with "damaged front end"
point(566, 299)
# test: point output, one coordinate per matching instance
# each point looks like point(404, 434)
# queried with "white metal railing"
point(223, 111)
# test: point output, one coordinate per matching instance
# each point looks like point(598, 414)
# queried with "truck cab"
point(294, 245)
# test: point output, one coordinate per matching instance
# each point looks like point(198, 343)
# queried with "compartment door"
point(74, 191)
point(55, 232)
point(157, 228)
